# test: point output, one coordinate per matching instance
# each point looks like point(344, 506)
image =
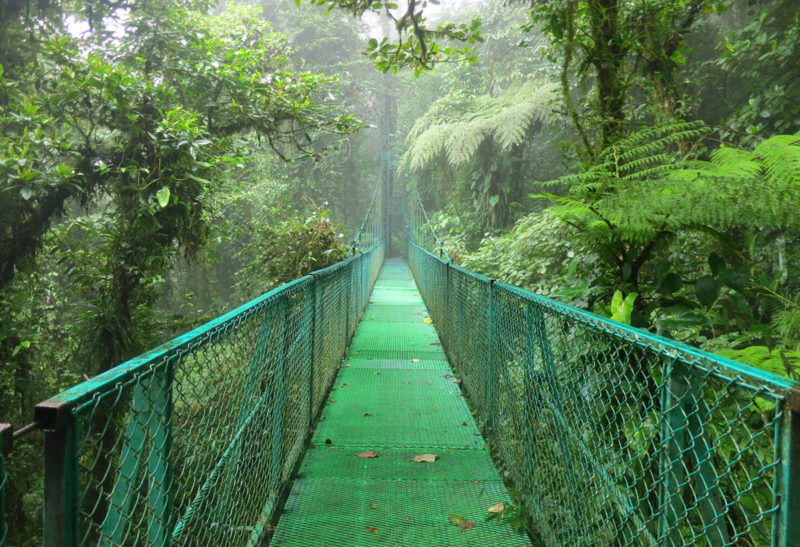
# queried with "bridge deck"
point(395, 395)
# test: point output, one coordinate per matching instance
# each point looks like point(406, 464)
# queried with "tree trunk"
point(606, 56)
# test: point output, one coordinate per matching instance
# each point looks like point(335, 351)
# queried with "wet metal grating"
point(395, 395)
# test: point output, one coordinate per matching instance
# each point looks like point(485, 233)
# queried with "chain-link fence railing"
point(612, 435)
point(194, 442)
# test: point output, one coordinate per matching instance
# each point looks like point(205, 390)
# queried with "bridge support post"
point(60, 474)
point(447, 331)
point(786, 528)
point(310, 322)
point(687, 458)
point(530, 405)
point(490, 373)
point(672, 479)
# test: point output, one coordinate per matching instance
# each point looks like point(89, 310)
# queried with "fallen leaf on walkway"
point(458, 520)
point(448, 376)
point(428, 458)
point(456, 380)
point(430, 383)
point(377, 373)
point(368, 415)
point(328, 441)
point(373, 506)
point(347, 365)
point(497, 507)
point(427, 321)
point(368, 454)
point(434, 405)
point(331, 400)
point(415, 360)
point(371, 529)
point(342, 385)
point(464, 424)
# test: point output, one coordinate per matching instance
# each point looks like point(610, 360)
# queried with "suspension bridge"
point(408, 401)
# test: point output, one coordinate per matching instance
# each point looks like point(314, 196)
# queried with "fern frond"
point(426, 148)
point(463, 140)
point(732, 162)
point(780, 156)
point(507, 118)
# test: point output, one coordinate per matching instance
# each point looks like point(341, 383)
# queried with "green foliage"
point(777, 361)
point(417, 45)
point(606, 50)
point(622, 308)
point(542, 254)
point(763, 55)
point(485, 143)
point(506, 119)
point(637, 190)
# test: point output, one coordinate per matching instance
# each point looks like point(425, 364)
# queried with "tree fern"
point(638, 188)
point(507, 118)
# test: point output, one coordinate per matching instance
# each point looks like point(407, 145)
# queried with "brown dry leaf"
point(415, 360)
point(368, 415)
point(448, 376)
point(460, 521)
point(464, 424)
point(373, 506)
point(428, 458)
point(368, 454)
point(434, 405)
point(328, 441)
point(373, 530)
point(430, 383)
point(347, 365)
point(377, 373)
point(331, 400)
point(456, 380)
point(497, 507)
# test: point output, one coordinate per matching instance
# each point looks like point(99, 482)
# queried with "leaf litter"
point(460, 521)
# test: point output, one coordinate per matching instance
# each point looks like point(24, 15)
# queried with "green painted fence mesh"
point(193, 442)
point(611, 435)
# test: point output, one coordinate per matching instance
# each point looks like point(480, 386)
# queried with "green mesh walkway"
point(395, 395)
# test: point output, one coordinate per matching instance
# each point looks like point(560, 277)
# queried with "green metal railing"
point(193, 442)
point(612, 435)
